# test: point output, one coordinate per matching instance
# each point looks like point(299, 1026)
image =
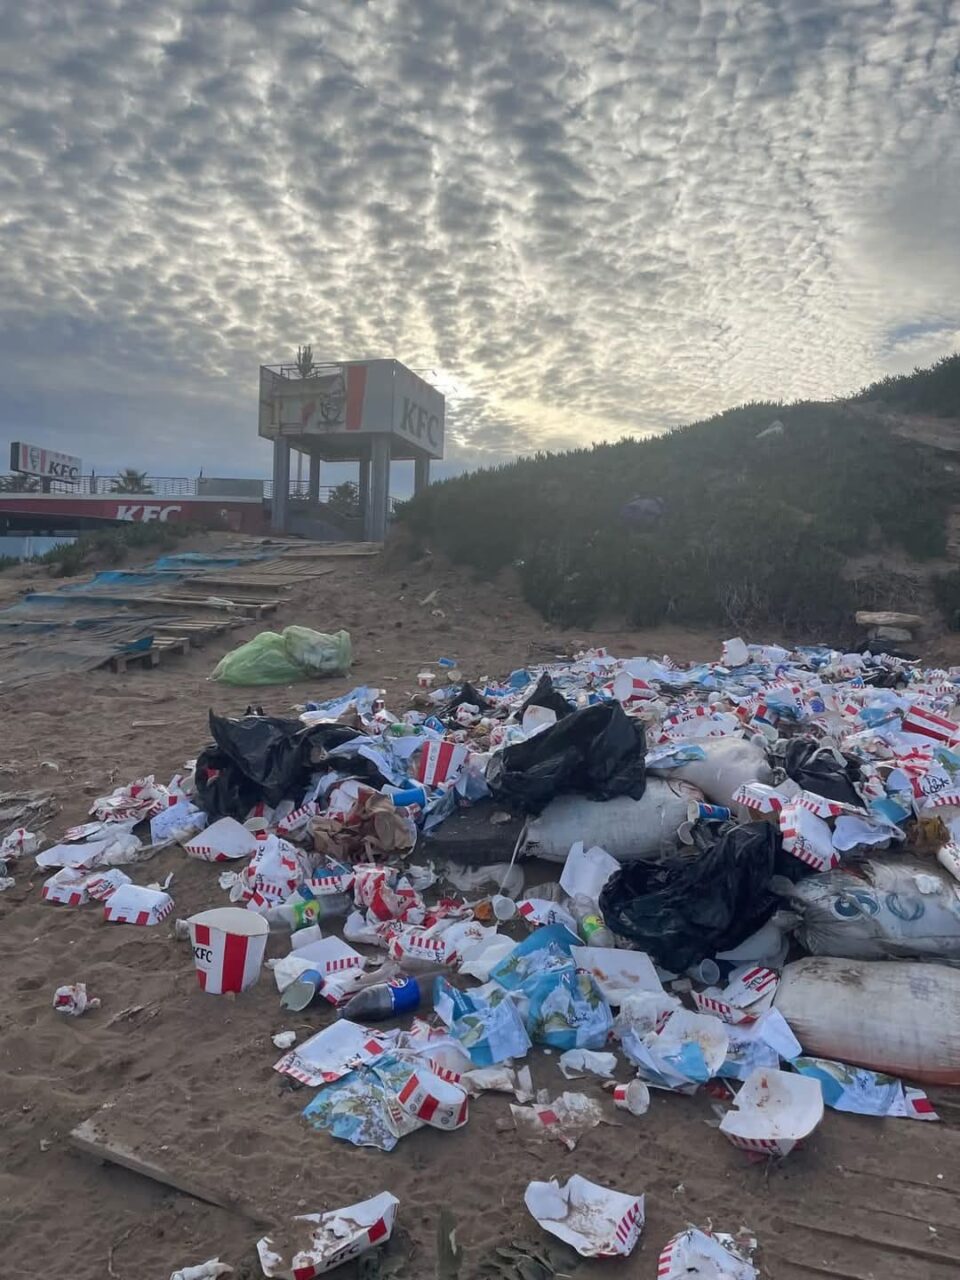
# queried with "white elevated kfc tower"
point(365, 411)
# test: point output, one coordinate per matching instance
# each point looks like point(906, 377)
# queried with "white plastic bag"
point(625, 828)
point(729, 764)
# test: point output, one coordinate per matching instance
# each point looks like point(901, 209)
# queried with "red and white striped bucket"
point(228, 947)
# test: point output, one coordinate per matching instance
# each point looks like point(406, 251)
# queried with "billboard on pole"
point(31, 460)
point(361, 396)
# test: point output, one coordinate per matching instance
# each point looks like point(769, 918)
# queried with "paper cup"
point(633, 1097)
point(228, 946)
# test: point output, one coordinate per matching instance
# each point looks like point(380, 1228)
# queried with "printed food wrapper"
point(921, 721)
point(685, 1053)
point(808, 838)
point(133, 904)
point(297, 820)
point(617, 972)
point(761, 798)
point(773, 1111)
point(748, 992)
point(421, 944)
point(333, 1052)
point(363, 1107)
point(102, 883)
point(81, 857)
point(441, 761)
point(864, 1092)
point(594, 1220)
point(567, 1011)
point(318, 1242)
point(485, 1021)
point(19, 843)
point(540, 912)
point(759, 1044)
point(700, 1255)
point(137, 800)
point(273, 873)
point(68, 887)
point(221, 841)
point(73, 1000)
point(565, 1119)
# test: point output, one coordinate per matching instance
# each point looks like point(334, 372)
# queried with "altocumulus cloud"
point(589, 218)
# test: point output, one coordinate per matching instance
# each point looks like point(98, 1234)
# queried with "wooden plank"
point(90, 1138)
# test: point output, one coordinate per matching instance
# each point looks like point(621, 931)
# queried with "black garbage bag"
point(598, 751)
point(469, 695)
point(545, 695)
point(684, 908)
point(258, 758)
point(822, 773)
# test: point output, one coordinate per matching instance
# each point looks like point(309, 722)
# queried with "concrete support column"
point(375, 524)
point(363, 493)
point(313, 488)
point(281, 486)
point(421, 473)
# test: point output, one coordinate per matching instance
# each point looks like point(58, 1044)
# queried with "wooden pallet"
point(162, 647)
point(274, 576)
point(198, 630)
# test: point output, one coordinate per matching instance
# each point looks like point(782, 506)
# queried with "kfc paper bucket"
point(228, 946)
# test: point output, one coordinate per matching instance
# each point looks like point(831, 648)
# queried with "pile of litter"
point(759, 865)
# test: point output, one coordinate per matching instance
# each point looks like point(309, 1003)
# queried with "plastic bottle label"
point(589, 926)
point(406, 994)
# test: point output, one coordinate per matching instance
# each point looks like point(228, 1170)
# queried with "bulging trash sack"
point(598, 751)
point(296, 654)
point(901, 1018)
point(822, 770)
point(625, 828)
point(692, 905)
point(877, 911)
point(729, 763)
point(773, 1111)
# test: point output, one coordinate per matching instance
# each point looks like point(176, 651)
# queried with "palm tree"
point(18, 483)
point(305, 361)
point(131, 481)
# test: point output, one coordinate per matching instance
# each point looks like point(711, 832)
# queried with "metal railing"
point(155, 486)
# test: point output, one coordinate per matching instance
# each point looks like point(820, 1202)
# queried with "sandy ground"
point(191, 1075)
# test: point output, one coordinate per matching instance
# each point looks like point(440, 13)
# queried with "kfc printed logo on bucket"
point(228, 946)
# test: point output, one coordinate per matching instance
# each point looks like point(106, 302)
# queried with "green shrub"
point(755, 531)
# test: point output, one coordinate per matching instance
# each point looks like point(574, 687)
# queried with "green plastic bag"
point(297, 654)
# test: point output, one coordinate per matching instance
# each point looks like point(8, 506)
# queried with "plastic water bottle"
point(590, 922)
point(384, 1000)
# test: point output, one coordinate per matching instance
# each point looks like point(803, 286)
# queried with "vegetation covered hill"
point(758, 529)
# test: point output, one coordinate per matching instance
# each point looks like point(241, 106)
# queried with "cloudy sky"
point(587, 218)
